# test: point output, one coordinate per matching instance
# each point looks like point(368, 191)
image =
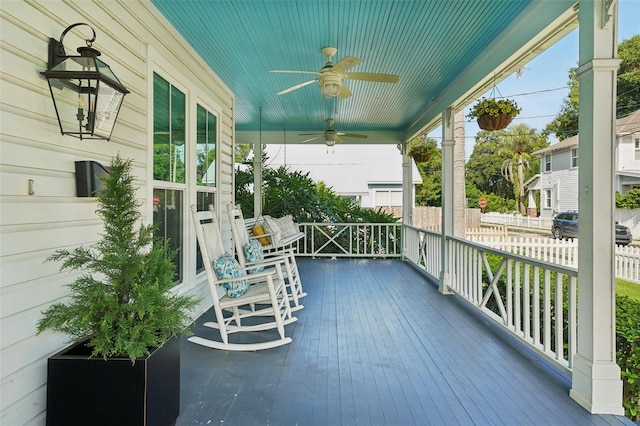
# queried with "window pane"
point(160, 128)
point(203, 200)
point(167, 216)
point(206, 148)
point(177, 136)
point(168, 131)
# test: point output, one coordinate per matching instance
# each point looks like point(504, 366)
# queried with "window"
point(574, 157)
point(206, 136)
point(206, 148)
point(547, 163)
point(547, 198)
point(168, 131)
point(169, 113)
point(636, 142)
point(388, 198)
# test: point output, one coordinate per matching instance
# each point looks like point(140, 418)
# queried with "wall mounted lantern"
point(86, 94)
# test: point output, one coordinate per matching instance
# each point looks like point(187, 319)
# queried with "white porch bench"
point(284, 242)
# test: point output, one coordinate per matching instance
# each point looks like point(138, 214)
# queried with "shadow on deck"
point(377, 345)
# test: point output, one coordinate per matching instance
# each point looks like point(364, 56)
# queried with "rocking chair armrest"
point(266, 262)
point(259, 277)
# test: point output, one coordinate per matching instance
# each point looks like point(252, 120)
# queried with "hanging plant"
point(494, 114)
point(420, 150)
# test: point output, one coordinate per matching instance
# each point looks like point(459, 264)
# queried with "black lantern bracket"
point(86, 94)
point(57, 53)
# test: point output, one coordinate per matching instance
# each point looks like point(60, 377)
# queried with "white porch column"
point(448, 143)
point(459, 193)
point(408, 190)
point(408, 200)
point(596, 376)
point(257, 178)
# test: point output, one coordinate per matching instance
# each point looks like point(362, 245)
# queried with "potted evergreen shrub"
point(124, 364)
point(494, 114)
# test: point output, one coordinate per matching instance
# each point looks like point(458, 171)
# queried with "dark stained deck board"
point(376, 344)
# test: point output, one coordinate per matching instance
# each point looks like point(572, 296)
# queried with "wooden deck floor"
point(376, 345)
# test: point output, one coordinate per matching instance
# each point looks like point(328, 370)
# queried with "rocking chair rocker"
point(267, 291)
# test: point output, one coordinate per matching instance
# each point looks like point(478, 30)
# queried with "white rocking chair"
point(241, 237)
point(267, 294)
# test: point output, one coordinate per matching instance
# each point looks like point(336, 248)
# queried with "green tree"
point(628, 76)
point(519, 142)
point(565, 124)
point(295, 193)
point(483, 167)
point(492, 151)
point(428, 193)
point(242, 151)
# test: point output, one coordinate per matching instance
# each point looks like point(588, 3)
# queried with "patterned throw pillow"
point(253, 253)
point(227, 267)
point(271, 226)
point(286, 225)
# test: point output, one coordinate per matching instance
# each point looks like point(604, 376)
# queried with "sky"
point(543, 85)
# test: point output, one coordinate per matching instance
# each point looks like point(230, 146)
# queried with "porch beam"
point(596, 376)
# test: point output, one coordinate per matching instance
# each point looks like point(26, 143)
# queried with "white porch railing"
point(534, 300)
point(350, 240)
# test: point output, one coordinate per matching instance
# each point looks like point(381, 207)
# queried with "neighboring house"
point(558, 178)
point(369, 174)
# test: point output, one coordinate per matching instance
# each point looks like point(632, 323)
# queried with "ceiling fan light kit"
point(330, 85)
point(331, 136)
point(330, 77)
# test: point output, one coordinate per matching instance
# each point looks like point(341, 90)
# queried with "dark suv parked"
point(565, 225)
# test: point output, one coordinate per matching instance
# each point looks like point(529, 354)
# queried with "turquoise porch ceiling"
point(426, 43)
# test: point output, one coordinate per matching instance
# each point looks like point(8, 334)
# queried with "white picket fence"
point(559, 252)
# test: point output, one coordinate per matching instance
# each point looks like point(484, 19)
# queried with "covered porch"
point(378, 344)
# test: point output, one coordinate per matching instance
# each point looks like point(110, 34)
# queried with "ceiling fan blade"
point(338, 140)
point(296, 72)
point(346, 63)
point(369, 76)
point(352, 135)
point(312, 139)
point(297, 86)
point(344, 92)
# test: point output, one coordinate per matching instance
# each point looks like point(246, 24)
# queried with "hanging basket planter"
point(421, 149)
point(494, 114)
point(494, 122)
point(421, 158)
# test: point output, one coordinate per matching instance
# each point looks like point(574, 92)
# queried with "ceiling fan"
point(331, 136)
point(330, 76)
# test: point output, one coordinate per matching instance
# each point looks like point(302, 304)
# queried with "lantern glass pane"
point(77, 64)
point(106, 108)
point(72, 107)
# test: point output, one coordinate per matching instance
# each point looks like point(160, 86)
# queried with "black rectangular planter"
point(113, 392)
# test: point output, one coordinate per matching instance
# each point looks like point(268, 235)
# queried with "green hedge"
point(628, 352)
